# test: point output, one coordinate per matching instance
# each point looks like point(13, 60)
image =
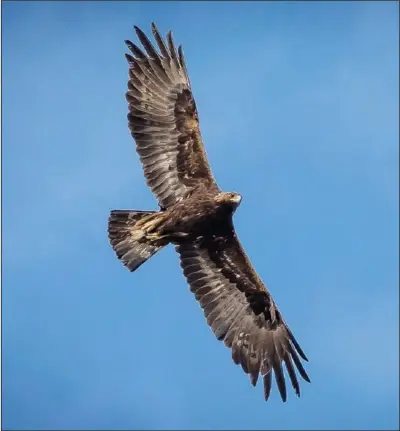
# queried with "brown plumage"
point(196, 216)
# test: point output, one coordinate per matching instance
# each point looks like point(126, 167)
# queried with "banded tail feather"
point(128, 237)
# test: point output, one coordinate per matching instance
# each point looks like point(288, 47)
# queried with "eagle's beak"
point(237, 199)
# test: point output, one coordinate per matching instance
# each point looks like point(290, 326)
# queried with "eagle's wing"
point(241, 312)
point(163, 120)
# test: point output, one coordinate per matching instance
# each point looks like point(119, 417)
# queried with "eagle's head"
point(230, 198)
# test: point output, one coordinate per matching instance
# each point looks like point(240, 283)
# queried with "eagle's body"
point(200, 215)
point(196, 216)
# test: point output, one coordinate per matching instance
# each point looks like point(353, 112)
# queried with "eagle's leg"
point(174, 237)
point(155, 236)
point(152, 223)
point(157, 227)
point(153, 227)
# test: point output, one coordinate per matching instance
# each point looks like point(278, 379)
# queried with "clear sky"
point(298, 104)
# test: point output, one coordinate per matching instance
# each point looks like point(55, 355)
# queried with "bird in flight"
point(195, 216)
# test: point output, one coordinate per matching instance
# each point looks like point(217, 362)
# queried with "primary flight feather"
point(196, 216)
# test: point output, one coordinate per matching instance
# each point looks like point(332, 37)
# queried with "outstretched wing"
point(163, 120)
point(241, 312)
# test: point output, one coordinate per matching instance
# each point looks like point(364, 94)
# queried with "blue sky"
point(298, 105)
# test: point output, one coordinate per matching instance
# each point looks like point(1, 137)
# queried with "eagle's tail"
point(128, 235)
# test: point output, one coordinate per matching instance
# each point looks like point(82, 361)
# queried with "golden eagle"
point(196, 216)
